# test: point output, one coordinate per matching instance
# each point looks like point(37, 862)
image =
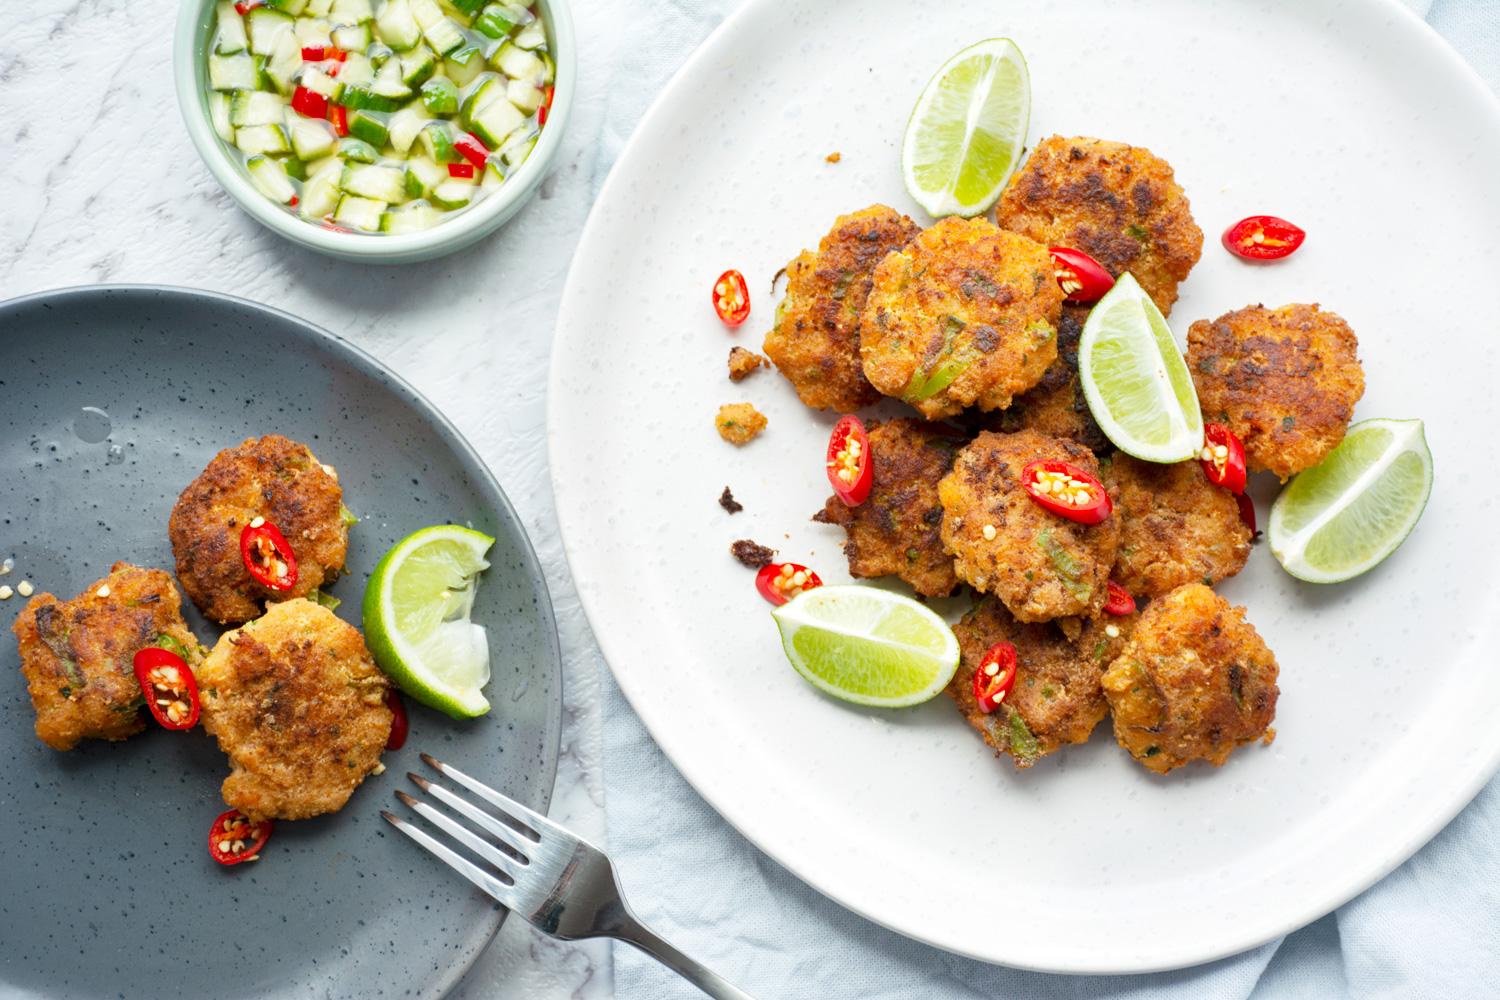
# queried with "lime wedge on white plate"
point(1337, 519)
point(965, 135)
point(416, 612)
point(1135, 380)
point(868, 646)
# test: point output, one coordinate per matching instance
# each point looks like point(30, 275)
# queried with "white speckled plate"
point(106, 887)
point(1352, 119)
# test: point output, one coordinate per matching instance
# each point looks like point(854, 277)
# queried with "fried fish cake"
point(272, 478)
point(1176, 526)
point(1056, 698)
point(1056, 406)
point(1119, 204)
point(299, 706)
point(1285, 381)
point(78, 655)
point(816, 336)
point(966, 315)
point(898, 528)
point(1042, 565)
point(1194, 682)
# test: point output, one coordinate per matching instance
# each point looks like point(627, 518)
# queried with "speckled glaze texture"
point(1387, 718)
point(107, 888)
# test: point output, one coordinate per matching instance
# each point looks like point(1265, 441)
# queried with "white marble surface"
point(103, 186)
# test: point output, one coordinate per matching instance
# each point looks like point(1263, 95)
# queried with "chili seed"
point(102, 591)
point(24, 588)
point(1111, 631)
point(989, 532)
point(257, 522)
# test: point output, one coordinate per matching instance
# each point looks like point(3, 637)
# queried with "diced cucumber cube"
point(218, 114)
point(357, 70)
point(452, 194)
point(422, 175)
point(319, 8)
point(495, 21)
point(376, 181)
point(396, 27)
point(464, 65)
point(369, 126)
point(379, 54)
point(517, 146)
point(439, 30)
point(230, 37)
point(549, 69)
point(255, 107)
point(410, 219)
point(531, 37)
point(357, 151)
point(269, 139)
point(518, 64)
point(320, 195)
point(312, 138)
point(318, 81)
point(315, 166)
point(270, 179)
point(236, 72)
point(491, 88)
point(351, 12)
point(293, 7)
point(266, 27)
point(417, 66)
point(403, 128)
point(284, 63)
point(493, 175)
point(437, 142)
point(362, 98)
point(524, 96)
point(468, 8)
point(359, 213)
point(351, 37)
point(294, 168)
point(312, 33)
point(495, 121)
point(440, 95)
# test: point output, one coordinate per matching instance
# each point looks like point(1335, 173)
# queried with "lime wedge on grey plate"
point(868, 646)
point(1338, 519)
point(416, 612)
point(965, 135)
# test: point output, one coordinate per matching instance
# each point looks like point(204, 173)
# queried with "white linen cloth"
point(1430, 929)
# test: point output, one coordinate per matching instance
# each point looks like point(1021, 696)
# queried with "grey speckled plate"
point(106, 887)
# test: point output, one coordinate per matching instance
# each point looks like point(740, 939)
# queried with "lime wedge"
point(966, 133)
point(1135, 380)
point(416, 612)
point(1336, 520)
point(868, 646)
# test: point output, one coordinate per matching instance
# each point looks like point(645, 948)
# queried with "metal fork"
point(561, 884)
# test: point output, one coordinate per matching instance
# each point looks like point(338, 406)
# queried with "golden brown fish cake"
point(738, 423)
point(965, 315)
point(1176, 526)
point(815, 339)
point(1056, 405)
point(1056, 698)
point(78, 655)
point(1042, 565)
point(898, 528)
point(273, 478)
point(1119, 204)
point(299, 706)
point(1194, 682)
point(1285, 381)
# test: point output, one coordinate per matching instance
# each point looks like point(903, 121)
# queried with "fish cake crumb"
point(743, 362)
point(738, 423)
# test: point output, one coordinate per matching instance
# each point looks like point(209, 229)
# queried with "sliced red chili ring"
point(460, 170)
point(169, 686)
point(1120, 602)
point(233, 838)
point(399, 724)
point(1082, 278)
point(780, 582)
point(994, 676)
point(267, 555)
point(1223, 457)
point(1247, 512)
point(732, 297)
point(1263, 237)
point(1067, 491)
point(850, 466)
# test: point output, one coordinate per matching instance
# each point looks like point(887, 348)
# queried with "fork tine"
point(501, 859)
point(518, 813)
point(491, 885)
point(513, 840)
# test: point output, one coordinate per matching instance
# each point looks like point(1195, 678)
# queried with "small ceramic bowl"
point(195, 22)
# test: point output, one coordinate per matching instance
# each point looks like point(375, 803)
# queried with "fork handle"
point(633, 932)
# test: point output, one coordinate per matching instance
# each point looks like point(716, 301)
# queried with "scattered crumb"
point(833, 157)
point(24, 588)
point(750, 554)
point(739, 422)
point(5, 593)
point(743, 362)
point(729, 503)
point(1270, 737)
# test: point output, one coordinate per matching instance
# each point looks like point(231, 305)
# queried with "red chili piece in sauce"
point(310, 103)
point(1080, 276)
point(1067, 491)
point(473, 150)
point(460, 170)
point(850, 467)
point(233, 838)
point(994, 676)
point(1120, 602)
point(1223, 457)
point(780, 582)
point(1247, 512)
point(732, 298)
point(267, 555)
point(339, 116)
point(399, 724)
point(169, 686)
point(1263, 237)
point(546, 108)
